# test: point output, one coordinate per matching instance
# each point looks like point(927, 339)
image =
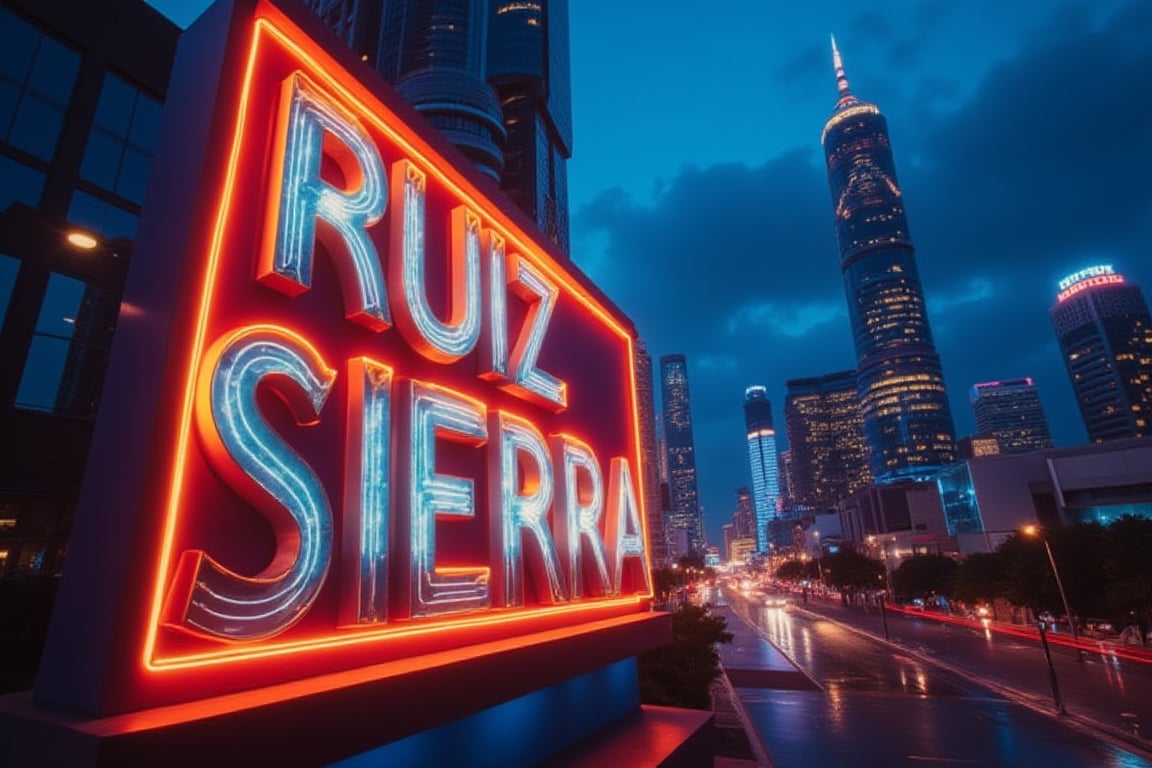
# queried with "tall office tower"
point(829, 458)
point(729, 532)
point(1011, 411)
point(762, 460)
point(907, 421)
point(744, 518)
point(528, 65)
point(786, 479)
point(434, 53)
point(1105, 334)
point(646, 407)
point(685, 515)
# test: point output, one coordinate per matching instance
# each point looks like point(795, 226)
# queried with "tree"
point(1128, 566)
point(848, 568)
point(680, 673)
point(1079, 553)
point(981, 577)
point(922, 574)
point(1028, 576)
point(666, 581)
point(795, 570)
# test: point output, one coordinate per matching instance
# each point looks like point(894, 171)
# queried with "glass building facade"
point(685, 514)
point(958, 499)
point(80, 107)
point(1012, 412)
point(1105, 333)
point(762, 460)
point(903, 403)
point(828, 459)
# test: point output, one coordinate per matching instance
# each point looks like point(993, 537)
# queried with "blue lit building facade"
point(903, 403)
point(685, 520)
point(1011, 411)
point(762, 460)
point(1104, 329)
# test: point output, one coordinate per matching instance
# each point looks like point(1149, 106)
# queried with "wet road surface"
point(823, 695)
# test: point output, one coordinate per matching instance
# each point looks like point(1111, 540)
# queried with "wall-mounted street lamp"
point(81, 240)
point(1034, 531)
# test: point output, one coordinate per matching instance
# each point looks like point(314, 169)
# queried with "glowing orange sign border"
point(310, 54)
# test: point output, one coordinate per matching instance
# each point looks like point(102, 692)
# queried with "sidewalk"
point(750, 663)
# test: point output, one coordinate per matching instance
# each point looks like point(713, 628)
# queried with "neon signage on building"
point(560, 519)
point(1090, 277)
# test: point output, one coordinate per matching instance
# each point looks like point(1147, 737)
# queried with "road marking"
point(928, 759)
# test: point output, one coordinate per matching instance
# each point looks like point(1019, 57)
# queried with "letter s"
point(206, 598)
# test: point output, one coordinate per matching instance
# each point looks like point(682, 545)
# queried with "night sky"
point(1022, 134)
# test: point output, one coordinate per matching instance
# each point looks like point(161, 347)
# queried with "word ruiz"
point(554, 509)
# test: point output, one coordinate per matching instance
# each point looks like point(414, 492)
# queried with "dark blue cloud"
point(1039, 170)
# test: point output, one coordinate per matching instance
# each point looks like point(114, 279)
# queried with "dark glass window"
point(37, 73)
point(93, 213)
point(9, 268)
point(19, 183)
point(123, 138)
point(69, 351)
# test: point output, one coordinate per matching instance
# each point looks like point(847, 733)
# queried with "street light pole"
point(1064, 598)
point(1032, 530)
point(1051, 671)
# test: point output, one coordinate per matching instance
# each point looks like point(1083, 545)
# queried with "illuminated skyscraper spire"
point(841, 77)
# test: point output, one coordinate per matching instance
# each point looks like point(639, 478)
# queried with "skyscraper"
point(646, 405)
point(829, 459)
point(1011, 411)
point(685, 514)
point(433, 53)
point(907, 421)
point(1105, 333)
point(528, 65)
point(493, 77)
point(762, 460)
point(744, 518)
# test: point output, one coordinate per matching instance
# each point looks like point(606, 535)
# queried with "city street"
point(855, 700)
point(1104, 687)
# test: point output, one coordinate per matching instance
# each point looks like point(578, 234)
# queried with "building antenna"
point(838, 63)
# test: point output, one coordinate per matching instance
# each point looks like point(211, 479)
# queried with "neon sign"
point(396, 424)
point(1090, 277)
point(1096, 271)
point(331, 195)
